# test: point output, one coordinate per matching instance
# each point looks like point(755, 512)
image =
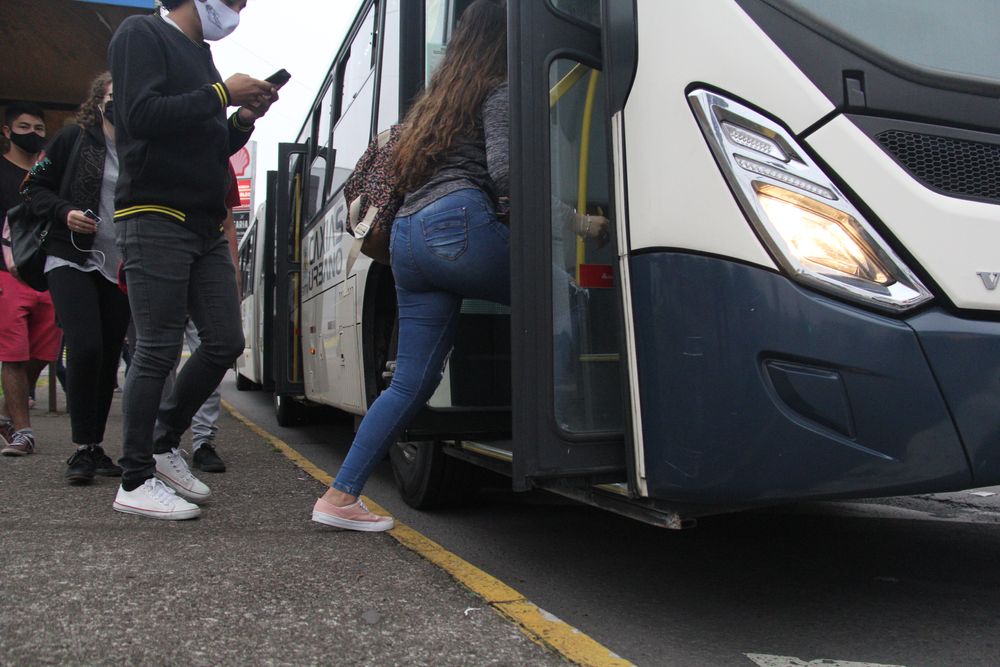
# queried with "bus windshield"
point(958, 36)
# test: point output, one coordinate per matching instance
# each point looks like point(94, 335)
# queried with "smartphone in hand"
point(279, 78)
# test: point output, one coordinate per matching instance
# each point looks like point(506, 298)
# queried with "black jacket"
point(41, 190)
point(171, 130)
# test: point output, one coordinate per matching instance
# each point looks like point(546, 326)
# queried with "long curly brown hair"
point(474, 64)
point(89, 114)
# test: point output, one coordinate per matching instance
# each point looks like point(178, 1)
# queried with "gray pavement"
point(253, 581)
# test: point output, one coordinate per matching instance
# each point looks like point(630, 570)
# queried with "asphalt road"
point(913, 581)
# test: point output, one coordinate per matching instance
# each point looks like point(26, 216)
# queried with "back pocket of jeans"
point(446, 233)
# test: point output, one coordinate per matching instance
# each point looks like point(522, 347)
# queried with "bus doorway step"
point(613, 500)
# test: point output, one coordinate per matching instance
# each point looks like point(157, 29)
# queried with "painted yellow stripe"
point(540, 626)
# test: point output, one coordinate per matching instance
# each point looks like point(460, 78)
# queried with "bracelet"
point(587, 233)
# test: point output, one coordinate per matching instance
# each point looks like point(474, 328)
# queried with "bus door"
point(287, 352)
point(569, 403)
point(265, 300)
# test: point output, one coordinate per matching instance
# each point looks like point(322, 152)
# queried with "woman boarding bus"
point(799, 299)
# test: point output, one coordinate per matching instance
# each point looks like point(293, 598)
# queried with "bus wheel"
point(428, 478)
point(244, 384)
point(287, 410)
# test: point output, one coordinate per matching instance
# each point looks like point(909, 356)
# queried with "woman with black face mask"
point(82, 269)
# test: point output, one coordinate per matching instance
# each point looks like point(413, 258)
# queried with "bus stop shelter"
point(50, 50)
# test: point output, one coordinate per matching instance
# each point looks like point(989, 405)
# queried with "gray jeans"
point(173, 272)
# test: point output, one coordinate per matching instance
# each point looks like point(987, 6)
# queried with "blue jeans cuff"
point(344, 488)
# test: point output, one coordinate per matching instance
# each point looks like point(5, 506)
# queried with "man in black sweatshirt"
point(174, 139)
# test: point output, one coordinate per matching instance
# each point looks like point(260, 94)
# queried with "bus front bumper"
point(755, 390)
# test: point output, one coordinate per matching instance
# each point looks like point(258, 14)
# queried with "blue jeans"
point(173, 272)
point(452, 248)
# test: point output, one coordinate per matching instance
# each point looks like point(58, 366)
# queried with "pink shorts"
point(27, 323)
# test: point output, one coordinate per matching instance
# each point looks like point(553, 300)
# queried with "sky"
point(301, 36)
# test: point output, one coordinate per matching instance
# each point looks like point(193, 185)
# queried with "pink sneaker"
point(21, 444)
point(352, 517)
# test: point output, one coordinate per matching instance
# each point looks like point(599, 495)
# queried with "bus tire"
point(427, 478)
point(287, 411)
point(244, 384)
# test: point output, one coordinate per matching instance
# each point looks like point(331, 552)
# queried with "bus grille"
point(962, 168)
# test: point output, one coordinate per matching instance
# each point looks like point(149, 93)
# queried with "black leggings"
point(94, 315)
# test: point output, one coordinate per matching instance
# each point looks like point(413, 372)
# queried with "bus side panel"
point(754, 390)
point(340, 341)
point(315, 371)
point(331, 347)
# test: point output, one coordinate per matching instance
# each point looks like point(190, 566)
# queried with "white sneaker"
point(156, 500)
point(173, 469)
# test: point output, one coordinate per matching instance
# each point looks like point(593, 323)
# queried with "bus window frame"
point(320, 149)
point(339, 110)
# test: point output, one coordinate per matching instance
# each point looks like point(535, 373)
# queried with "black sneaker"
point(207, 459)
point(103, 465)
point(80, 466)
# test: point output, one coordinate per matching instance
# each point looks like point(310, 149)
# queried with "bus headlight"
point(820, 237)
point(812, 230)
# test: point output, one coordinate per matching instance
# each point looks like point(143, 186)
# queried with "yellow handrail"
point(581, 199)
point(565, 84)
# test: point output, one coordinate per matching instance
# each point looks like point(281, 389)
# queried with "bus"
point(255, 275)
point(800, 297)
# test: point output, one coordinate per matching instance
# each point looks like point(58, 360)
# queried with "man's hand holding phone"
point(249, 113)
point(279, 78)
point(245, 90)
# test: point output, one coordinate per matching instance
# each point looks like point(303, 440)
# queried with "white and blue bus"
point(800, 299)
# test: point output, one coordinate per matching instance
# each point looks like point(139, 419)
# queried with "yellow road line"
point(539, 625)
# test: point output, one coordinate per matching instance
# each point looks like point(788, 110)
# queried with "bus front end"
point(813, 199)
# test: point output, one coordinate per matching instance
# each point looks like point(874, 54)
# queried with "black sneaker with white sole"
point(104, 466)
point(80, 467)
point(207, 459)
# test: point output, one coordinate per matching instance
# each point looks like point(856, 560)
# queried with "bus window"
point(585, 320)
point(359, 62)
point(248, 261)
point(964, 32)
point(388, 86)
point(588, 11)
point(317, 168)
point(353, 131)
point(438, 19)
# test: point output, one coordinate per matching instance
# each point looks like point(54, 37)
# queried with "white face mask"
point(217, 20)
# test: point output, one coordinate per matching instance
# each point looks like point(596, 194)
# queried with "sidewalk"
point(253, 581)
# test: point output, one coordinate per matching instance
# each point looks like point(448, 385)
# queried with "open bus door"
point(287, 352)
point(265, 324)
point(569, 408)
